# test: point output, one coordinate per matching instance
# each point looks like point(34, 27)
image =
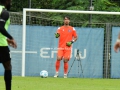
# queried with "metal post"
point(29, 1)
point(23, 43)
point(91, 8)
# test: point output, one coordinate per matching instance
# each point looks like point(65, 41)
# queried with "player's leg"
point(66, 59)
point(57, 64)
point(6, 61)
point(7, 74)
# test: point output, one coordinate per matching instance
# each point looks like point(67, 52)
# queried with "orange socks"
point(57, 65)
point(65, 67)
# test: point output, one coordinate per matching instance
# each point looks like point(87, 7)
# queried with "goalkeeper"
point(67, 36)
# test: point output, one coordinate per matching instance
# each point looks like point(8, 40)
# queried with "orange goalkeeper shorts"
point(64, 53)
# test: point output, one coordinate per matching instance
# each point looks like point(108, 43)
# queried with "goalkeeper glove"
point(57, 35)
point(69, 43)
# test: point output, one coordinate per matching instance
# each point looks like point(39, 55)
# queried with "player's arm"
point(117, 44)
point(71, 42)
point(75, 37)
point(57, 34)
point(3, 18)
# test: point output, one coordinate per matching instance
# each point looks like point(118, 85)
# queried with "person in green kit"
point(5, 40)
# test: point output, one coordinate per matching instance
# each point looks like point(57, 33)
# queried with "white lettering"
point(52, 54)
point(44, 53)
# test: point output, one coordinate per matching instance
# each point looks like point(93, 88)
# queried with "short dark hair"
point(67, 17)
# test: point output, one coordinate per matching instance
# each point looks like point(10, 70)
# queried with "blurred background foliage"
point(54, 18)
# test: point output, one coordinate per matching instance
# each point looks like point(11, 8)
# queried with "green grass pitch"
point(50, 83)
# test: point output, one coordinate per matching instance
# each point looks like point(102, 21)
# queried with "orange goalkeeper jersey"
point(66, 34)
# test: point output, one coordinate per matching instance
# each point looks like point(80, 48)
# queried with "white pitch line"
point(25, 52)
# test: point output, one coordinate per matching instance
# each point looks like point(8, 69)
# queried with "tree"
point(99, 5)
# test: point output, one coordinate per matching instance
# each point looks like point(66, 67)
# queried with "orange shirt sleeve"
point(74, 32)
point(58, 30)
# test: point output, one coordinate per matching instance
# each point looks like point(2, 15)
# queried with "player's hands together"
point(12, 43)
point(57, 35)
point(116, 46)
point(69, 43)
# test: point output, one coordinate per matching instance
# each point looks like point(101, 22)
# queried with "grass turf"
point(37, 83)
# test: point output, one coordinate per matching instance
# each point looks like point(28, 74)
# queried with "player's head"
point(66, 20)
point(6, 3)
